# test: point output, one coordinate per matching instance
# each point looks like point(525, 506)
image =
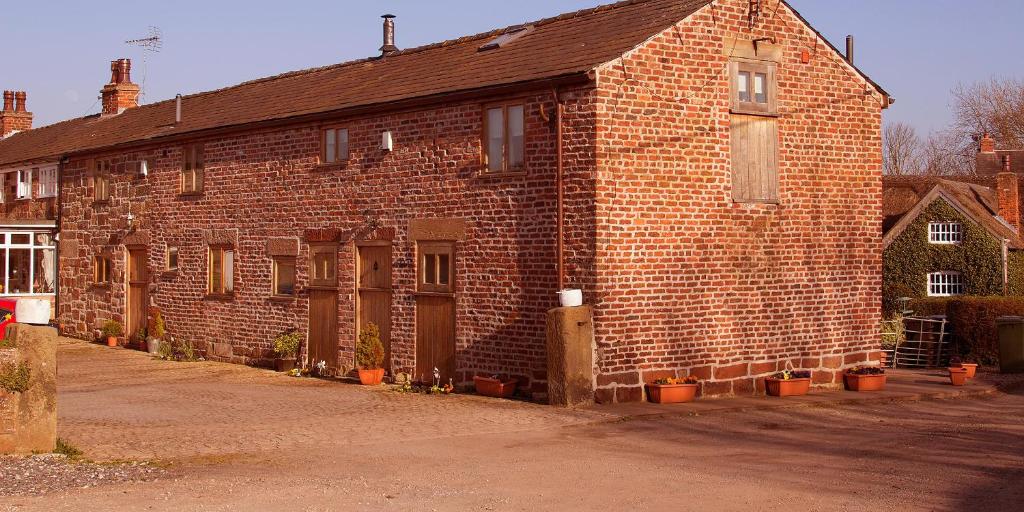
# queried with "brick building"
point(707, 172)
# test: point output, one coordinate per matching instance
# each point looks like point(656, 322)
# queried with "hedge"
point(972, 322)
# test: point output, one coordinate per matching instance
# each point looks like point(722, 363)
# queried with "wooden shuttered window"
point(222, 270)
point(101, 181)
point(755, 158)
point(754, 132)
point(192, 169)
point(101, 270)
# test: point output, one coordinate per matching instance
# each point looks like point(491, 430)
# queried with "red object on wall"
point(6, 315)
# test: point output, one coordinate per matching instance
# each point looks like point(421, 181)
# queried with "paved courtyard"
point(236, 438)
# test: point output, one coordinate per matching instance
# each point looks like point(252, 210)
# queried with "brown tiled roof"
point(990, 164)
point(565, 45)
point(902, 194)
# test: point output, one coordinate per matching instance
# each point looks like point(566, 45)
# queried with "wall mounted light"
point(387, 142)
point(144, 168)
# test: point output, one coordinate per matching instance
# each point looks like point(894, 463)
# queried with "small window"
point(47, 182)
point(192, 169)
point(24, 184)
point(284, 276)
point(323, 265)
point(101, 181)
point(945, 233)
point(945, 284)
point(172, 259)
point(335, 146)
point(753, 90)
point(101, 270)
point(504, 138)
point(222, 270)
point(435, 268)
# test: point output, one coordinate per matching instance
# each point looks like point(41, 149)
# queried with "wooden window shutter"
point(755, 159)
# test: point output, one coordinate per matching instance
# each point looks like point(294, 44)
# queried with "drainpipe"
point(56, 249)
point(559, 246)
point(1006, 270)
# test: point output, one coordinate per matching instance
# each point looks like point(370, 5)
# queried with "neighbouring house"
point(708, 173)
point(28, 190)
point(953, 236)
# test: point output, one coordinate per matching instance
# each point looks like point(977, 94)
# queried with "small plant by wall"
point(15, 378)
point(909, 259)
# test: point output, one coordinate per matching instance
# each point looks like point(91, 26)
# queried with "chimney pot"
point(389, 47)
point(19, 101)
point(124, 71)
point(987, 144)
point(1008, 195)
point(8, 101)
point(849, 49)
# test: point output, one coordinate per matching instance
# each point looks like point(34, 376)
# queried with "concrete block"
point(570, 347)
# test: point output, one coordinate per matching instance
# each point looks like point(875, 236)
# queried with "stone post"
point(570, 344)
point(28, 390)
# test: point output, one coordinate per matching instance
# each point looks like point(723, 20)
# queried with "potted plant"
point(972, 369)
point(673, 391)
point(370, 356)
point(865, 378)
point(156, 331)
point(111, 331)
point(497, 386)
point(286, 346)
point(788, 383)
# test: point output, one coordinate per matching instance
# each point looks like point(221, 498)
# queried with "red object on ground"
point(671, 393)
point(7, 308)
point(856, 382)
point(958, 376)
point(791, 387)
point(494, 387)
point(371, 377)
point(972, 369)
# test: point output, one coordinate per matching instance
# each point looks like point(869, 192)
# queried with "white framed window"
point(24, 184)
point(29, 263)
point(945, 232)
point(46, 181)
point(945, 284)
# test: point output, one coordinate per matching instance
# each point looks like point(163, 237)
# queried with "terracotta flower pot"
point(496, 388)
point(671, 393)
point(791, 387)
point(972, 369)
point(856, 382)
point(371, 377)
point(958, 376)
point(111, 341)
point(285, 364)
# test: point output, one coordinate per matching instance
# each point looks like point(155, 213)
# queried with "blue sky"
point(917, 49)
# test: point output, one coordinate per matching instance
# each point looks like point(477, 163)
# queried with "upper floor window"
point(24, 184)
point(504, 138)
point(192, 169)
point(334, 146)
point(753, 132)
point(945, 232)
point(47, 182)
point(101, 269)
point(222, 270)
point(945, 284)
point(101, 181)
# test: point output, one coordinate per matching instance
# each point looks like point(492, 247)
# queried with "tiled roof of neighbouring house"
point(565, 45)
point(901, 194)
point(990, 164)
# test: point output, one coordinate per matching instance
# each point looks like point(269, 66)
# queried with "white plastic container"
point(32, 311)
point(570, 298)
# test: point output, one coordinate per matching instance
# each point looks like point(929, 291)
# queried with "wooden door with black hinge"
point(138, 284)
point(373, 291)
point(323, 305)
point(435, 310)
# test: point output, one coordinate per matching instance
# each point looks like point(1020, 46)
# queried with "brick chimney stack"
point(987, 144)
point(15, 116)
point(120, 94)
point(1009, 195)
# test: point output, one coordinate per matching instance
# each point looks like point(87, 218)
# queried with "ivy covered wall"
point(909, 259)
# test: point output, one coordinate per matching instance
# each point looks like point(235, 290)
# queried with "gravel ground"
point(43, 474)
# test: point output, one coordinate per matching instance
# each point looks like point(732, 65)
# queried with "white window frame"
point(47, 181)
point(945, 233)
point(24, 184)
point(6, 245)
point(946, 284)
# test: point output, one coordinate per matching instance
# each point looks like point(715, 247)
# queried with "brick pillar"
point(1009, 195)
point(28, 411)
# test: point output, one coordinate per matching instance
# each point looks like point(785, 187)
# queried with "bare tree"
point(901, 150)
point(947, 153)
point(995, 107)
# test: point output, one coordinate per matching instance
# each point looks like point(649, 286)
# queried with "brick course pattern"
point(683, 280)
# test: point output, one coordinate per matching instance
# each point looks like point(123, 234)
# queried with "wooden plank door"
point(373, 291)
point(138, 284)
point(435, 310)
point(323, 305)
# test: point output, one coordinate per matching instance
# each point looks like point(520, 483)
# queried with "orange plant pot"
point(111, 341)
point(791, 387)
point(496, 388)
point(856, 382)
point(958, 376)
point(972, 369)
point(371, 377)
point(671, 393)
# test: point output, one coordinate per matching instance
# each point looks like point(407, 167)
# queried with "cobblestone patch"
point(42, 474)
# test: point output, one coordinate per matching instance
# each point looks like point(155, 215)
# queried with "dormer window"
point(945, 233)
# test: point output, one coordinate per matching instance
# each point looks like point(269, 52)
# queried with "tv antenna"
point(152, 43)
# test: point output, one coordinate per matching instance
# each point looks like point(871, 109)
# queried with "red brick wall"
point(690, 282)
point(268, 184)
